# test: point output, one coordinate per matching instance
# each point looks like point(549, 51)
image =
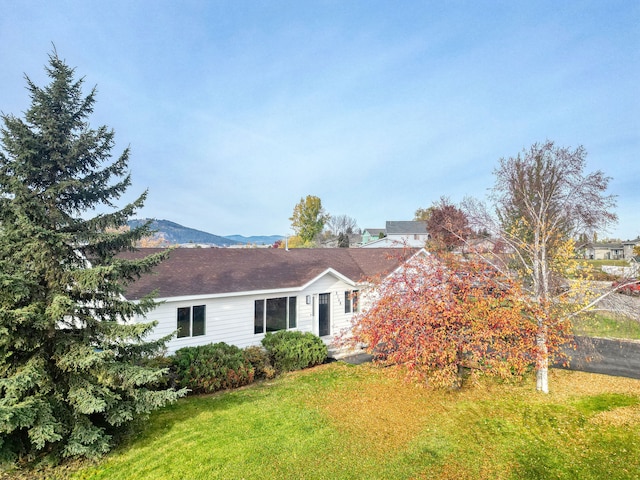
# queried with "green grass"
point(608, 326)
point(340, 421)
point(615, 263)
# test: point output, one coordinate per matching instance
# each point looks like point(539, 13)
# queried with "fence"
point(626, 272)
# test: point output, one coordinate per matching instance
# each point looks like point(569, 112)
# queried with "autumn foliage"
point(443, 318)
point(447, 225)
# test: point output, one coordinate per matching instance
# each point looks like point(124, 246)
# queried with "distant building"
point(355, 240)
point(628, 246)
point(371, 234)
point(399, 234)
point(604, 251)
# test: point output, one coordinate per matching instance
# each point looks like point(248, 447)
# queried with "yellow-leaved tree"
point(308, 219)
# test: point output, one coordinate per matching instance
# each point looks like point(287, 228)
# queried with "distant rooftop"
point(406, 227)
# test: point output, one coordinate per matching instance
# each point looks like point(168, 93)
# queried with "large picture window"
point(191, 321)
point(273, 314)
point(351, 301)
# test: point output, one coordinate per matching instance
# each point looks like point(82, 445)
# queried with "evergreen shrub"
point(292, 350)
point(259, 358)
point(213, 367)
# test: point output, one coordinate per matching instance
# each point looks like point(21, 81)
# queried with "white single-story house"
point(212, 295)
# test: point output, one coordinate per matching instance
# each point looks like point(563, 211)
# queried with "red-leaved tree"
point(441, 318)
point(447, 225)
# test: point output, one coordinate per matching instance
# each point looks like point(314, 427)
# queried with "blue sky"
point(235, 110)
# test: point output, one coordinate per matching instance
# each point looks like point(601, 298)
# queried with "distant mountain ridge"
point(256, 239)
point(174, 233)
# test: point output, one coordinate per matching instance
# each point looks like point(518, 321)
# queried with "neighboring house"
point(355, 239)
point(628, 247)
point(235, 296)
point(604, 251)
point(371, 234)
point(635, 266)
point(610, 251)
point(400, 234)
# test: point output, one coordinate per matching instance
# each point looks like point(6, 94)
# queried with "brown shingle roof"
point(203, 271)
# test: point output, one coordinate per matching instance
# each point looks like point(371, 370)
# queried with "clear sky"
point(235, 110)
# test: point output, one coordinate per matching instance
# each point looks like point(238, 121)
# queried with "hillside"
point(174, 233)
point(256, 239)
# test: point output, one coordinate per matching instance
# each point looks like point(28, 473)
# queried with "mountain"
point(256, 239)
point(174, 233)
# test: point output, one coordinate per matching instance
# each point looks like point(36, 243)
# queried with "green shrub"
point(259, 359)
point(213, 367)
point(292, 350)
point(163, 363)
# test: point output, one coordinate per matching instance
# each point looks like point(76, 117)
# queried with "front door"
point(324, 326)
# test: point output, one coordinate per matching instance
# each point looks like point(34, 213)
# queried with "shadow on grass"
point(187, 408)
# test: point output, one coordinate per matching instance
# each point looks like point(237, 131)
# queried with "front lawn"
point(608, 325)
point(614, 263)
point(340, 421)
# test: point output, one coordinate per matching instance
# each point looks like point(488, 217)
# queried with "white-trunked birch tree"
point(541, 199)
point(72, 365)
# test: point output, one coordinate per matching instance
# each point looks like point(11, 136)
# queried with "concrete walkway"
point(357, 358)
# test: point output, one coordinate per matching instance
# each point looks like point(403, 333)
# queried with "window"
point(274, 314)
point(258, 319)
point(351, 301)
point(191, 321)
point(292, 312)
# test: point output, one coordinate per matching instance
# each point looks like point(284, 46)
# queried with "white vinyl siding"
point(232, 319)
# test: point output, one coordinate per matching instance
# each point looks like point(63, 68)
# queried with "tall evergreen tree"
point(72, 363)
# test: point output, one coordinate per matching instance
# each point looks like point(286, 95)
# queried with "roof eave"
point(268, 291)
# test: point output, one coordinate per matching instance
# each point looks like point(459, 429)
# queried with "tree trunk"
point(542, 363)
point(542, 379)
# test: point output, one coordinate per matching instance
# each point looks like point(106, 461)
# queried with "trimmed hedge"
point(213, 367)
point(292, 350)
